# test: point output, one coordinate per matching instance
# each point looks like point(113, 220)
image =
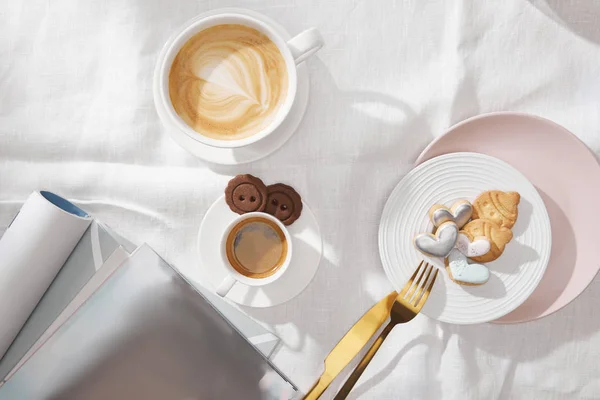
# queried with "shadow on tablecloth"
point(579, 16)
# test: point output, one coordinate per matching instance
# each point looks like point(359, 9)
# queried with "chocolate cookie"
point(246, 193)
point(284, 203)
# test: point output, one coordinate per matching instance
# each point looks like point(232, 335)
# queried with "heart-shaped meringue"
point(463, 273)
point(459, 213)
point(440, 244)
point(473, 248)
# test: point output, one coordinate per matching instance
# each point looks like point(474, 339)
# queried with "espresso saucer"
point(307, 248)
point(257, 150)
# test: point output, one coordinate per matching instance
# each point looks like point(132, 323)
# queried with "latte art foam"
point(228, 82)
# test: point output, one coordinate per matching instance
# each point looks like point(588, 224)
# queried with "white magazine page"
point(118, 257)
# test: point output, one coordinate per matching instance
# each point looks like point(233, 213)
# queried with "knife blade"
point(351, 344)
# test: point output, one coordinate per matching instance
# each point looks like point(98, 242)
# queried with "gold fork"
point(407, 305)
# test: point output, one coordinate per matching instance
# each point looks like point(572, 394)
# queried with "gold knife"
point(351, 344)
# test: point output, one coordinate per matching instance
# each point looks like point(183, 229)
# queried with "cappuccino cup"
point(256, 249)
point(230, 80)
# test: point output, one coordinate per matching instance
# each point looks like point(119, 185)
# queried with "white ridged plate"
point(443, 180)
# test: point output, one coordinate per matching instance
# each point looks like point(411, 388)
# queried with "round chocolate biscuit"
point(284, 203)
point(245, 194)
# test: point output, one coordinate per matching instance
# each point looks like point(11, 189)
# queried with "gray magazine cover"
point(256, 334)
point(146, 333)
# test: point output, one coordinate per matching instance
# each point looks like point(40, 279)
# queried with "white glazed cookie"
point(463, 273)
point(472, 247)
point(497, 236)
point(440, 244)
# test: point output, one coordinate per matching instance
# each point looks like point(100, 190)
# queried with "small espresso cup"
point(294, 52)
point(233, 236)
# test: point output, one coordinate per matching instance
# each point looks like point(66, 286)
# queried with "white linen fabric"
point(77, 117)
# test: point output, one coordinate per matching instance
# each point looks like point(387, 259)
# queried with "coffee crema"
point(256, 247)
point(228, 82)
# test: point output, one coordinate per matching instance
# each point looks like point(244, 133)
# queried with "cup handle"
point(305, 44)
point(225, 286)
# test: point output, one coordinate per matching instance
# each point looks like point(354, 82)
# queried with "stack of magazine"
point(89, 315)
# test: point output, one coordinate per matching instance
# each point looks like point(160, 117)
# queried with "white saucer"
point(256, 150)
point(307, 248)
point(444, 180)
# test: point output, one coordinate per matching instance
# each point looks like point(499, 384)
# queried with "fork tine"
point(423, 299)
point(421, 275)
point(411, 280)
point(429, 269)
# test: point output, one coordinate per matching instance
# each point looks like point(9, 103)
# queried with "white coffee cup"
point(233, 275)
point(294, 52)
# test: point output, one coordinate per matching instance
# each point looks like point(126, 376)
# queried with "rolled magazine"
point(32, 251)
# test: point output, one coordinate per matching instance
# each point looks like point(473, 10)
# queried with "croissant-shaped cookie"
point(498, 236)
point(497, 206)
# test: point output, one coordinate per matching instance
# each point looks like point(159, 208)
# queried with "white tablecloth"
point(77, 117)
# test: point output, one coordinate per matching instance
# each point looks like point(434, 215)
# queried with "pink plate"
point(567, 176)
